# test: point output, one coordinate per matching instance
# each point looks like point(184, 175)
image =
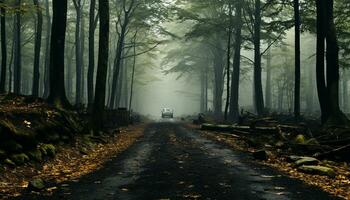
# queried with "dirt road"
point(172, 162)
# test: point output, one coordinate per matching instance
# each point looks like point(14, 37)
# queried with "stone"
point(306, 161)
point(19, 159)
point(9, 162)
point(318, 170)
point(260, 155)
point(36, 185)
point(35, 155)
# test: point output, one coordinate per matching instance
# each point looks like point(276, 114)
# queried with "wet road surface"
point(172, 162)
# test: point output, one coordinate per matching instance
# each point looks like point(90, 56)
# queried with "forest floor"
point(71, 162)
point(42, 146)
point(338, 185)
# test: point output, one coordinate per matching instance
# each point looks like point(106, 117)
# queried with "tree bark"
point(102, 67)
point(228, 65)
point(18, 58)
point(118, 61)
point(297, 60)
point(234, 101)
point(268, 81)
point(3, 48)
point(57, 94)
point(133, 73)
point(91, 66)
point(78, 58)
point(47, 50)
point(37, 49)
point(258, 91)
point(218, 82)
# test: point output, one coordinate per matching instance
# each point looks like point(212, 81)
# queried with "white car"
point(167, 113)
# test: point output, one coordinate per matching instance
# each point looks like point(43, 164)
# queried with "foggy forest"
point(174, 99)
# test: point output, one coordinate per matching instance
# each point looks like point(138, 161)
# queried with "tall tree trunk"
point(37, 49)
point(320, 76)
point(118, 61)
point(17, 56)
point(345, 91)
point(218, 82)
point(70, 74)
point(91, 67)
point(258, 91)
point(268, 80)
point(100, 91)
point(133, 73)
point(297, 60)
point(234, 107)
point(202, 88)
point(3, 48)
point(228, 65)
point(57, 94)
point(82, 46)
point(332, 55)
point(78, 58)
point(47, 50)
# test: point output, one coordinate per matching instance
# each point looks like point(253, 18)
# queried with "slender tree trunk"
point(70, 74)
point(100, 91)
point(345, 91)
point(78, 57)
point(228, 65)
point(3, 48)
point(37, 49)
point(218, 82)
point(17, 56)
point(57, 95)
point(258, 97)
point(320, 76)
point(234, 107)
point(118, 61)
point(82, 46)
point(297, 60)
point(268, 80)
point(47, 50)
point(91, 67)
point(133, 74)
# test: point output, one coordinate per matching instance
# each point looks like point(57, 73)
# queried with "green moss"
point(300, 139)
point(19, 159)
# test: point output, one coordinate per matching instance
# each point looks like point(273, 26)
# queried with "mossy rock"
point(307, 161)
point(19, 159)
point(318, 170)
point(11, 146)
point(36, 185)
point(35, 155)
point(300, 139)
point(9, 162)
point(48, 150)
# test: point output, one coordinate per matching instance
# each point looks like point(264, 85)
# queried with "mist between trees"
point(209, 56)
